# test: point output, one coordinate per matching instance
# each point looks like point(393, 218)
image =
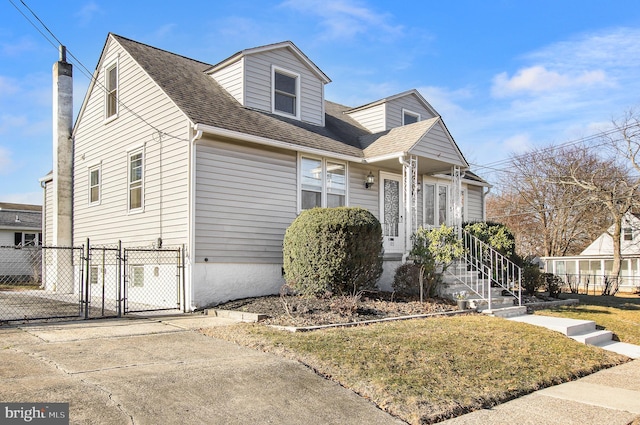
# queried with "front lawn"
point(426, 370)
point(619, 314)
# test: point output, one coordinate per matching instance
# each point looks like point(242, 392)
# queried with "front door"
point(391, 212)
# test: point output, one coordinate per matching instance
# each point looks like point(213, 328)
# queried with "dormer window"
point(286, 89)
point(409, 117)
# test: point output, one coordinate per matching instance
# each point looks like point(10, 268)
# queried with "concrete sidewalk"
point(160, 371)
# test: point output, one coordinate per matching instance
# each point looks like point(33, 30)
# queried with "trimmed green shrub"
point(333, 251)
point(531, 279)
point(406, 281)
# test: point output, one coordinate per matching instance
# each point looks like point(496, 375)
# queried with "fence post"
point(87, 297)
point(119, 279)
point(184, 284)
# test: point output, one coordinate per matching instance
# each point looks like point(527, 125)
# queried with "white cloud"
point(88, 12)
point(518, 144)
point(346, 19)
point(6, 164)
point(8, 86)
point(538, 80)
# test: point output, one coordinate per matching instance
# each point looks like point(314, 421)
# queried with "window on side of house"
point(430, 204)
point(286, 89)
point(627, 234)
point(136, 180)
point(111, 86)
point(27, 239)
point(323, 183)
point(136, 275)
point(409, 117)
point(95, 180)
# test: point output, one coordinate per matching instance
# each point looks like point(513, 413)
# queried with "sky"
point(505, 75)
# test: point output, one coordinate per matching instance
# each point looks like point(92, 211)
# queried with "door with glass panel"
point(437, 205)
point(391, 212)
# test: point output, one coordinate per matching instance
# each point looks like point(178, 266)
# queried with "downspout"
point(407, 207)
point(484, 203)
point(190, 258)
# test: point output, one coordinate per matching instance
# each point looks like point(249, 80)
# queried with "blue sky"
point(505, 75)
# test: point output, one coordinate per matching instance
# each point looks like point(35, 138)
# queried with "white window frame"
point(277, 69)
point(438, 183)
point(324, 193)
point(136, 275)
point(107, 91)
point(411, 113)
point(92, 169)
point(37, 238)
point(130, 154)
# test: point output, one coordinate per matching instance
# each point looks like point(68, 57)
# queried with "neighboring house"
point(596, 261)
point(20, 226)
point(221, 159)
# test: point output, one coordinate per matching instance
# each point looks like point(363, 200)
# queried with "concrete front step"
point(594, 338)
point(496, 303)
point(567, 327)
point(626, 349)
point(506, 312)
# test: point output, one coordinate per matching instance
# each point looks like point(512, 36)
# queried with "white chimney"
point(62, 150)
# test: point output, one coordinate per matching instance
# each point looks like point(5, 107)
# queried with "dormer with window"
point(402, 109)
point(277, 79)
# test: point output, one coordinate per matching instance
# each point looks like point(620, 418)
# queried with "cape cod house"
point(588, 270)
point(220, 158)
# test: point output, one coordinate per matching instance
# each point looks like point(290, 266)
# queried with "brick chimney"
point(62, 150)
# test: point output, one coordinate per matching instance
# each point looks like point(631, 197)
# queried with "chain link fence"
point(41, 282)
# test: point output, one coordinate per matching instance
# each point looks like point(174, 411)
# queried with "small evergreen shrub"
point(531, 279)
point(333, 251)
point(552, 284)
point(406, 281)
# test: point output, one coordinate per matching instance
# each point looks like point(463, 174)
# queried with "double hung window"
point(323, 183)
point(136, 175)
point(286, 89)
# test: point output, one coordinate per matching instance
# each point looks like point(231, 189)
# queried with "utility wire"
point(84, 70)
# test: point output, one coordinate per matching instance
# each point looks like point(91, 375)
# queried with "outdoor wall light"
point(370, 180)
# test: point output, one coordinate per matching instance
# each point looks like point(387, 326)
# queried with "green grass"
point(619, 314)
point(18, 286)
point(426, 370)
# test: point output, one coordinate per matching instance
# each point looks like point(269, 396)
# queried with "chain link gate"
point(152, 279)
point(43, 282)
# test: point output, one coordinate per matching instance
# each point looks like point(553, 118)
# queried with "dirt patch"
point(305, 311)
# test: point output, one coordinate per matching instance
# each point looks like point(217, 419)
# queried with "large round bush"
point(333, 250)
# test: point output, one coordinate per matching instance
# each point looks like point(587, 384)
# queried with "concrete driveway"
point(161, 371)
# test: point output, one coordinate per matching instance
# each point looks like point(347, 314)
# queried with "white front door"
point(391, 212)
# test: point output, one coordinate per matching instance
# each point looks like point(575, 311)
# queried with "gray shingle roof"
point(204, 101)
point(20, 216)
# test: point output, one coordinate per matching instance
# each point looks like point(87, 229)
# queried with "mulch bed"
point(291, 310)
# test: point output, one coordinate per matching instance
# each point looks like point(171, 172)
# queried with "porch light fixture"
point(370, 180)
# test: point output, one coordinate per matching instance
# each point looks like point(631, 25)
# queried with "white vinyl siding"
point(410, 103)
point(258, 84)
point(245, 200)
point(231, 78)
point(473, 203)
point(359, 196)
point(166, 160)
point(436, 145)
point(371, 118)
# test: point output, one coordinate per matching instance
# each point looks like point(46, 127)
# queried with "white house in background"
point(20, 226)
point(221, 158)
point(596, 261)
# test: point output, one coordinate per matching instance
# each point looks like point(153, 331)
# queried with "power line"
point(84, 70)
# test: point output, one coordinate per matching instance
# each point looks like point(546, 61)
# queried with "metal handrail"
point(486, 267)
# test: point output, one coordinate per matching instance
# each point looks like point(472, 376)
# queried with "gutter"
point(221, 132)
point(192, 215)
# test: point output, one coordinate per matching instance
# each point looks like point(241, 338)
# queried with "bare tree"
point(547, 218)
point(609, 175)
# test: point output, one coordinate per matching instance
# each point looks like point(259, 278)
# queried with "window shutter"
point(17, 240)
